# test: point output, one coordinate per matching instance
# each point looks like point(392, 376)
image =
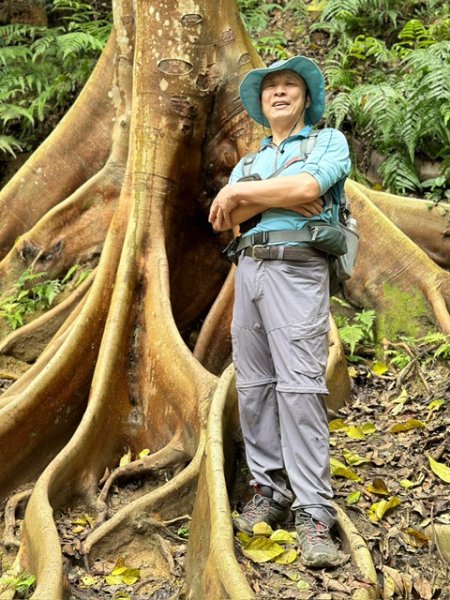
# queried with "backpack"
point(321, 237)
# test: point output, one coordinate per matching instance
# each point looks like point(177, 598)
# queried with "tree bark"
point(150, 141)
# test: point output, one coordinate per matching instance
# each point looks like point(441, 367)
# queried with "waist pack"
point(339, 239)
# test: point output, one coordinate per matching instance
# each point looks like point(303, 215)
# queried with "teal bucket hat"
point(250, 88)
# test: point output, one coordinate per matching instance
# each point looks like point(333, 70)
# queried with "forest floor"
point(382, 478)
point(383, 444)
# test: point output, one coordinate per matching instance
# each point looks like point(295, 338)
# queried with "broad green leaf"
point(262, 528)
point(281, 535)
point(338, 469)
point(379, 368)
point(354, 459)
point(144, 453)
point(287, 557)
point(354, 432)
point(407, 426)
point(126, 459)
point(378, 487)
point(439, 469)
point(379, 509)
point(353, 498)
point(337, 425)
point(261, 549)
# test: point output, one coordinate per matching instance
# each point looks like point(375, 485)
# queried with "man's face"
point(283, 98)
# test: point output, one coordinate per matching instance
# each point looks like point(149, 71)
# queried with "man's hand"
point(309, 210)
point(220, 212)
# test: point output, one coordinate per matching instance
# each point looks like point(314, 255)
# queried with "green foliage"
point(23, 584)
point(44, 68)
point(270, 44)
point(359, 330)
point(32, 294)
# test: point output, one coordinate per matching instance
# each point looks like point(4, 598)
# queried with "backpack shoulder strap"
point(307, 144)
point(247, 163)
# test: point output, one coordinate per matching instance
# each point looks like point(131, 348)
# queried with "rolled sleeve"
point(329, 162)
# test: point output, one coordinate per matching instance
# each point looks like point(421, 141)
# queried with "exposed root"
point(9, 539)
point(361, 556)
point(148, 502)
point(163, 459)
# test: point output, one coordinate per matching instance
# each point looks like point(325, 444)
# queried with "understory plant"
point(43, 69)
point(389, 80)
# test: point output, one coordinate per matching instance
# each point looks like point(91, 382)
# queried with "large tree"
point(122, 186)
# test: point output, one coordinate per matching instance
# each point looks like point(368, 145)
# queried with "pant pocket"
point(309, 347)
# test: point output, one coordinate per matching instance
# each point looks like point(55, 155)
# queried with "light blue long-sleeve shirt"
point(329, 164)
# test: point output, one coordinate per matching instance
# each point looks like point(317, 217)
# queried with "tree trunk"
point(146, 146)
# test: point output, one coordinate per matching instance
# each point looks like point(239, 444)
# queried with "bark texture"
point(122, 186)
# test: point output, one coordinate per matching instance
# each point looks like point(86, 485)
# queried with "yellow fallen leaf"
point(436, 404)
point(262, 528)
point(303, 585)
point(368, 428)
point(281, 535)
point(378, 487)
point(126, 459)
point(287, 557)
point(352, 372)
point(89, 581)
point(379, 368)
point(113, 579)
point(439, 469)
point(353, 498)
point(261, 549)
point(354, 459)
point(407, 426)
point(337, 425)
point(244, 538)
point(78, 529)
point(406, 483)
point(144, 453)
point(415, 538)
point(338, 469)
point(379, 509)
point(356, 433)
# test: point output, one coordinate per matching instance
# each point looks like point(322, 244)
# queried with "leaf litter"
point(390, 462)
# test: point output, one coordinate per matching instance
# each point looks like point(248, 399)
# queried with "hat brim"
point(250, 88)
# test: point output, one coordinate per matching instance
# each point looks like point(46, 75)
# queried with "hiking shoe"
point(261, 507)
point(317, 547)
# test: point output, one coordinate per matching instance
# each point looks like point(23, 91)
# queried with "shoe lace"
point(315, 531)
point(256, 507)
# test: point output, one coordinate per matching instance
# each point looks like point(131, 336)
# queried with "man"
point(280, 319)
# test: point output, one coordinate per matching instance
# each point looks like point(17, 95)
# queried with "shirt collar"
point(302, 134)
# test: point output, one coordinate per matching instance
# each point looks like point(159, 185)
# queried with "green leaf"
point(337, 425)
point(379, 368)
point(354, 459)
point(354, 432)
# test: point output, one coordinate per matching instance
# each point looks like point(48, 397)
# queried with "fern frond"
point(399, 174)
point(8, 143)
point(338, 108)
point(76, 42)
point(10, 112)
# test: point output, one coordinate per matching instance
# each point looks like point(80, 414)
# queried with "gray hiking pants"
point(280, 347)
